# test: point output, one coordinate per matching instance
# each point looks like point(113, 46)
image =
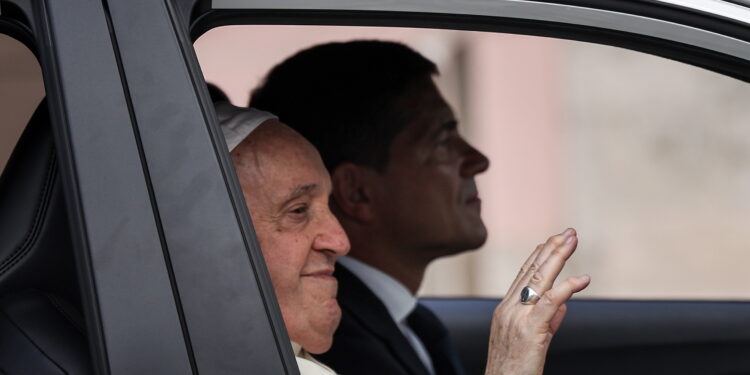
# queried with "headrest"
point(35, 246)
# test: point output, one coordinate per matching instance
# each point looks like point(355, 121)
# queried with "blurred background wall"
point(646, 157)
point(649, 159)
point(21, 90)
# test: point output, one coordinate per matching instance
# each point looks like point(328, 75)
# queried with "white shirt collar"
point(398, 300)
point(297, 349)
point(307, 364)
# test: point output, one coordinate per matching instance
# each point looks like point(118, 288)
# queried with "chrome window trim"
point(719, 8)
point(521, 9)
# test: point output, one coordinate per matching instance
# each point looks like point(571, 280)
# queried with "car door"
point(166, 255)
point(599, 336)
point(172, 277)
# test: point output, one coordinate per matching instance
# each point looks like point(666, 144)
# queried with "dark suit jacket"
point(368, 341)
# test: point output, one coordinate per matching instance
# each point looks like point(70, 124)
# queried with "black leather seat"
point(41, 329)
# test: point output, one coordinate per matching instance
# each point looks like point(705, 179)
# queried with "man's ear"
point(351, 191)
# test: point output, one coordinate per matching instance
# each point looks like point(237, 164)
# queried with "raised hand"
point(522, 331)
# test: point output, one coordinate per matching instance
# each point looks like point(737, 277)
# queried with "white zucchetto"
point(237, 122)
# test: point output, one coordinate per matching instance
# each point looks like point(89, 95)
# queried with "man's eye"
point(299, 210)
point(444, 142)
point(445, 137)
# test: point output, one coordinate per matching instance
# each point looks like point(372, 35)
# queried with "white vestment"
point(307, 364)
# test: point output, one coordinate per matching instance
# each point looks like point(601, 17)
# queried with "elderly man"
point(286, 187)
point(403, 188)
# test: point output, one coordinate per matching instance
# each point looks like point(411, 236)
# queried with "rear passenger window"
point(648, 158)
point(21, 90)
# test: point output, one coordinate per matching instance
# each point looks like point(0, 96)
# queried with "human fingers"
point(525, 267)
point(544, 277)
point(543, 254)
point(553, 243)
point(545, 309)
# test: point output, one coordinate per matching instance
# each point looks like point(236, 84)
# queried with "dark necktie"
point(435, 338)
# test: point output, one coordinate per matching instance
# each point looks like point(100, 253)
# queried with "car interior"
point(53, 319)
point(43, 330)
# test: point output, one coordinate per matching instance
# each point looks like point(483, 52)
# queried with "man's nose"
point(331, 237)
point(474, 161)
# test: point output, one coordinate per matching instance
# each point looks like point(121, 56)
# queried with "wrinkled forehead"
point(276, 160)
point(275, 142)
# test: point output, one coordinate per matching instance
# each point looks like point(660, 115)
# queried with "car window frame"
point(187, 19)
point(136, 316)
point(104, 183)
point(398, 14)
point(729, 57)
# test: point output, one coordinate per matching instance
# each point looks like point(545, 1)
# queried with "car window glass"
point(648, 158)
point(21, 90)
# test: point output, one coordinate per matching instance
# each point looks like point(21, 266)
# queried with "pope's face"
point(286, 188)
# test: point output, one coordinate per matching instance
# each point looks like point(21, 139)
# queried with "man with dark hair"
point(403, 190)
point(346, 97)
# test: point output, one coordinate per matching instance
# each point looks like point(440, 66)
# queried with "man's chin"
point(324, 342)
point(327, 326)
point(475, 232)
point(480, 238)
point(320, 348)
point(471, 240)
